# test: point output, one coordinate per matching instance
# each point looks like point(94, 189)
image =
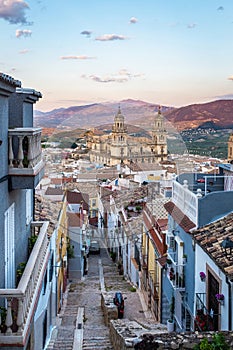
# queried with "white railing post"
point(34, 147)
point(9, 319)
point(11, 154)
point(20, 155)
point(19, 321)
point(30, 152)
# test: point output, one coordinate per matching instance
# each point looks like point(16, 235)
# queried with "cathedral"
point(230, 149)
point(119, 147)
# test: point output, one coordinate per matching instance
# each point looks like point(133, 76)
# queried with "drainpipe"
point(230, 304)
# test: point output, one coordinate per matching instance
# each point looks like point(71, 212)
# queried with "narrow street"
point(85, 296)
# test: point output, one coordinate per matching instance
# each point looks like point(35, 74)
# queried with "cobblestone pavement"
point(87, 294)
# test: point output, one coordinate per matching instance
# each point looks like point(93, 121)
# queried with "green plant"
point(3, 312)
point(31, 242)
point(70, 251)
point(172, 309)
point(218, 343)
point(20, 270)
point(132, 289)
point(138, 208)
point(113, 256)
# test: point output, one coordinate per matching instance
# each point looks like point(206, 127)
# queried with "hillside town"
point(125, 216)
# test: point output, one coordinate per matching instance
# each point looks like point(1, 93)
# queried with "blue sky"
point(171, 52)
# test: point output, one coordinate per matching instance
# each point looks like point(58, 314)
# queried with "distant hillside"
point(219, 113)
point(95, 114)
point(138, 113)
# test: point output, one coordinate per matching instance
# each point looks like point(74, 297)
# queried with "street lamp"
point(227, 244)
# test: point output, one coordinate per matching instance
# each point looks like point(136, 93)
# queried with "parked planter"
point(202, 276)
point(170, 326)
point(184, 259)
point(220, 298)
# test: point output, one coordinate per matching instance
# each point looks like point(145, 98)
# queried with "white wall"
point(201, 261)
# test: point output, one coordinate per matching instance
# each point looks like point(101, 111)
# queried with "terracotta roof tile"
point(183, 221)
point(51, 191)
point(73, 219)
point(210, 238)
point(77, 198)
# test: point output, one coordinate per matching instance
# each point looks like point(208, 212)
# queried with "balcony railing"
point(145, 261)
point(204, 320)
point(185, 200)
point(20, 303)
point(175, 274)
point(24, 151)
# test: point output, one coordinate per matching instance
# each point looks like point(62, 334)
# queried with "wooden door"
point(213, 306)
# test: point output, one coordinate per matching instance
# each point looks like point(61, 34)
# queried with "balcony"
point(145, 262)
point(26, 166)
point(175, 274)
point(20, 303)
point(185, 200)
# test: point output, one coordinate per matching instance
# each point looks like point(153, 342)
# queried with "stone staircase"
point(166, 310)
point(89, 332)
point(63, 341)
point(95, 333)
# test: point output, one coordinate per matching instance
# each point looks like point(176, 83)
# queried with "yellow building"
point(119, 147)
point(61, 254)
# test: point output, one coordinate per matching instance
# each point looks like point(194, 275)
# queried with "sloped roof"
point(157, 208)
point(73, 219)
point(144, 166)
point(210, 238)
point(51, 191)
point(182, 220)
point(46, 209)
point(78, 197)
point(56, 181)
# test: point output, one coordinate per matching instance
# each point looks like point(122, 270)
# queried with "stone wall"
point(130, 335)
point(109, 308)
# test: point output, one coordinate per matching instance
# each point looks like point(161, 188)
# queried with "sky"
point(168, 52)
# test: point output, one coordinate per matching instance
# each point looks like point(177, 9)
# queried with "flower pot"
point(170, 326)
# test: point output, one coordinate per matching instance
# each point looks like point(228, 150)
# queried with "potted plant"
point(171, 274)
point(184, 258)
point(202, 276)
point(170, 321)
point(20, 270)
point(220, 298)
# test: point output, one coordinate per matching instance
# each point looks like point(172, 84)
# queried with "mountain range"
point(219, 114)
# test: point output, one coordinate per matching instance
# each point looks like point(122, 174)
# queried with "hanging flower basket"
point(220, 298)
point(202, 276)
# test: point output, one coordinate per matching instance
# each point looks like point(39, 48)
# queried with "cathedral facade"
point(119, 147)
point(230, 149)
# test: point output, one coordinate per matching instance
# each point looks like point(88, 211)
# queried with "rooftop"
point(10, 80)
point(210, 238)
point(184, 222)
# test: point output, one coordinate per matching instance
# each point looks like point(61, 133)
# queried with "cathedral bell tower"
point(159, 137)
point(119, 147)
point(230, 149)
